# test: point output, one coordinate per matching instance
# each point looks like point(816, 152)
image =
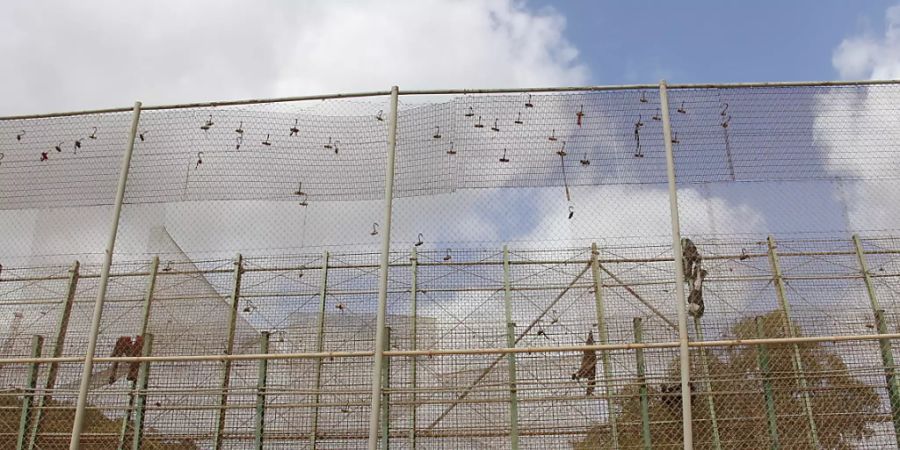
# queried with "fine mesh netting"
point(250, 238)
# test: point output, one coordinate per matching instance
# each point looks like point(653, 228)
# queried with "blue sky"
point(714, 41)
point(97, 54)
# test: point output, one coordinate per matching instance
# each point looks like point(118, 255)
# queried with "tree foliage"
point(99, 432)
point(843, 407)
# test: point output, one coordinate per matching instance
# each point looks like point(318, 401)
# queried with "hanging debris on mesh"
point(126, 346)
point(638, 152)
point(588, 369)
point(690, 259)
point(562, 163)
point(693, 275)
point(695, 299)
point(670, 394)
point(208, 124)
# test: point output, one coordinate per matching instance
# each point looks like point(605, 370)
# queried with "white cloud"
point(872, 57)
point(101, 53)
point(628, 214)
point(851, 122)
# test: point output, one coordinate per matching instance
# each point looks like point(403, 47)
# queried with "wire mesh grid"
point(796, 161)
point(266, 221)
point(552, 305)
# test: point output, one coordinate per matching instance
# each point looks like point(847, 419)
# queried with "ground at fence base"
point(100, 432)
point(844, 408)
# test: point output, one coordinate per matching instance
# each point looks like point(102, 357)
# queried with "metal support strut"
point(78, 422)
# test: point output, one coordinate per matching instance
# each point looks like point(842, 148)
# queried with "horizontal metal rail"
point(464, 351)
point(201, 105)
point(462, 92)
point(401, 264)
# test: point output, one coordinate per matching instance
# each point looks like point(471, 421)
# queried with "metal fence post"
point(378, 357)
point(229, 348)
point(890, 373)
point(642, 384)
point(887, 354)
point(386, 400)
point(148, 296)
point(413, 335)
point(59, 343)
point(789, 331)
point(140, 401)
point(710, 401)
point(37, 344)
point(320, 345)
point(126, 418)
point(261, 381)
point(864, 270)
point(680, 299)
point(510, 357)
point(88, 366)
point(603, 333)
point(762, 357)
point(145, 319)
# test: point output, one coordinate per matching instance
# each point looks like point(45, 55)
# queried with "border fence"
point(615, 267)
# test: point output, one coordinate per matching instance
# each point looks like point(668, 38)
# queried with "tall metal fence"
point(703, 266)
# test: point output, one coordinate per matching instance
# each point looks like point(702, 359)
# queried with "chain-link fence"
point(482, 269)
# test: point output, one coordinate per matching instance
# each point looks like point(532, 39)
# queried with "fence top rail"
point(213, 104)
point(255, 101)
point(761, 84)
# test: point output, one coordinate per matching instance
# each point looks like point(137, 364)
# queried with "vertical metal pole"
point(320, 345)
point(762, 356)
point(710, 401)
point(887, 354)
point(789, 331)
point(229, 348)
point(890, 374)
point(680, 299)
point(126, 419)
point(145, 319)
point(58, 344)
point(383, 274)
point(414, 335)
point(867, 278)
point(603, 333)
point(510, 357)
point(642, 383)
point(386, 399)
point(261, 381)
point(62, 327)
point(77, 424)
point(141, 401)
point(148, 295)
point(37, 344)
